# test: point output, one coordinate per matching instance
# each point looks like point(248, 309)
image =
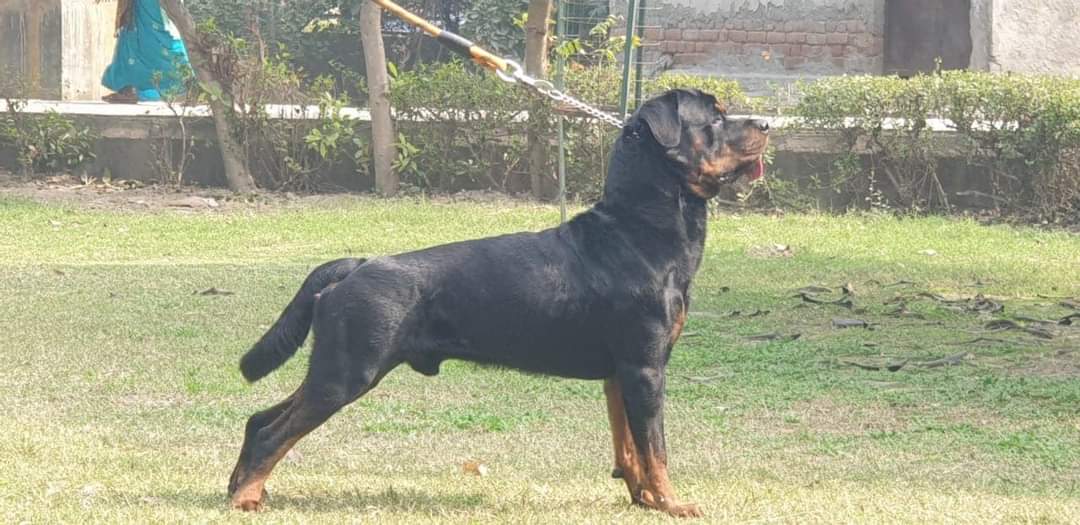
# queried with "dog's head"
point(709, 150)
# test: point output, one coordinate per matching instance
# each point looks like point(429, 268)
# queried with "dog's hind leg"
point(346, 362)
point(310, 407)
point(254, 424)
point(643, 396)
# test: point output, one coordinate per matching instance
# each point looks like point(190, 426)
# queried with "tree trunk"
point(382, 126)
point(236, 173)
point(536, 44)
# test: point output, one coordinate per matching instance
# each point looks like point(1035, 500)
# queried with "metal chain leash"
point(547, 89)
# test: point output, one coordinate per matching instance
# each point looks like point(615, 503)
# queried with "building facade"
point(764, 41)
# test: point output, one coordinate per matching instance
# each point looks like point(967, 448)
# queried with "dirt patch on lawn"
point(127, 195)
point(97, 194)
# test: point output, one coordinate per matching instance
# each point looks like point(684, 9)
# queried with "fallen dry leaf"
point(891, 367)
point(771, 250)
point(194, 202)
point(951, 360)
point(774, 336)
point(899, 283)
point(998, 325)
point(474, 468)
point(850, 323)
point(844, 300)
point(1068, 320)
point(215, 291)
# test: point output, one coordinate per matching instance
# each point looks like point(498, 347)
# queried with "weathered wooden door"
point(917, 32)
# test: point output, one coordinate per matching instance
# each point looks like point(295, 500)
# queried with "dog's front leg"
point(643, 396)
point(627, 463)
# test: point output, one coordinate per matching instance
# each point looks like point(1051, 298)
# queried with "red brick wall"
point(758, 42)
point(838, 46)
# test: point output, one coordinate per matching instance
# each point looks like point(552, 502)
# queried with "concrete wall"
point(59, 48)
point(88, 42)
point(30, 45)
point(982, 21)
point(1035, 36)
point(757, 41)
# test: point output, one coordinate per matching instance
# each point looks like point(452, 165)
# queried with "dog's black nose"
point(761, 124)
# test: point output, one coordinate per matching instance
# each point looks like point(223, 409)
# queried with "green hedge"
point(457, 129)
point(1022, 130)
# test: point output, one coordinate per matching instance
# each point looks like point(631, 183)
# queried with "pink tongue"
point(758, 170)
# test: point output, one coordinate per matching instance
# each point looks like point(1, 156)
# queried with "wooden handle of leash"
point(456, 43)
point(405, 15)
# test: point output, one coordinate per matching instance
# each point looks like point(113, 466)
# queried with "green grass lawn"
point(123, 403)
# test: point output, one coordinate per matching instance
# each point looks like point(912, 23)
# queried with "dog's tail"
point(279, 343)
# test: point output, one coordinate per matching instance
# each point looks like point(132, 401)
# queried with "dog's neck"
point(644, 192)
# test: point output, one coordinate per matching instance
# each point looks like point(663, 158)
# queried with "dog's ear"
point(662, 116)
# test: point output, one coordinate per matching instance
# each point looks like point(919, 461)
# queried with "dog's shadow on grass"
point(391, 499)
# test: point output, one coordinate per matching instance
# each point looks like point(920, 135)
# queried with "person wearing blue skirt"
point(150, 60)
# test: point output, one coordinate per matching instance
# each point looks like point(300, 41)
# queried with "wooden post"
point(382, 125)
point(536, 44)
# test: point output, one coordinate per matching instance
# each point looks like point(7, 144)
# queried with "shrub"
point(466, 128)
point(1022, 130)
point(54, 143)
point(47, 143)
point(728, 92)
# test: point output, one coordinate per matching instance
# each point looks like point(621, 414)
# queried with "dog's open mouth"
point(752, 170)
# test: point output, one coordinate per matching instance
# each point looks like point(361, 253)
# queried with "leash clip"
point(516, 74)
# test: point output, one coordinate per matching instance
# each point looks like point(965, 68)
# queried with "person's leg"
point(118, 76)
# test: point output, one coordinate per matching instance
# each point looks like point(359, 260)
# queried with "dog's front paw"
point(243, 500)
point(247, 505)
point(685, 510)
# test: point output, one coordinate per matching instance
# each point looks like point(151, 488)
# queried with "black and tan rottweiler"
point(603, 296)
